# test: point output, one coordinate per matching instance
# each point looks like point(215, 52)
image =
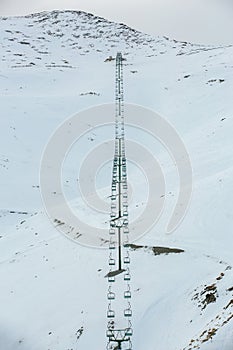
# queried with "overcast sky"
point(199, 21)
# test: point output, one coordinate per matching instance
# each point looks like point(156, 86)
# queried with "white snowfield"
point(53, 291)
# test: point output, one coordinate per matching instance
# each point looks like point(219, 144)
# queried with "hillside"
point(53, 65)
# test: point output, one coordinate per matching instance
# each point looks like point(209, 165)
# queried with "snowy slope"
point(53, 290)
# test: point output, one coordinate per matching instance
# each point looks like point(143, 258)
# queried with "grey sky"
point(200, 21)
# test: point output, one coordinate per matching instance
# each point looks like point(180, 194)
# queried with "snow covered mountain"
point(53, 291)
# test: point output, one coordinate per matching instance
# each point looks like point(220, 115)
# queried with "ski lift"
point(129, 332)
point(113, 214)
point(125, 213)
point(128, 312)
point(111, 295)
point(112, 261)
point(113, 206)
point(112, 245)
point(112, 231)
point(112, 223)
point(110, 313)
point(127, 276)
point(127, 259)
point(111, 279)
point(109, 333)
point(119, 222)
point(126, 222)
point(127, 294)
point(126, 230)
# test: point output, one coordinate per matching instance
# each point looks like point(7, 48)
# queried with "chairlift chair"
point(112, 223)
point(127, 294)
point(127, 276)
point(129, 332)
point(112, 262)
point(111, 279)
point(109, 333)
point(128, 313)
point(111, 295)
point(112, 231)
point(126, 222)
point(127, 259)
point(110, 314)
point(112, 245)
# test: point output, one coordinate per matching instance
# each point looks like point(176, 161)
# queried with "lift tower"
point(119, 313)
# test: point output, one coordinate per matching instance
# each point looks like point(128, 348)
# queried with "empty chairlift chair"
point(110, 312)
point(127, 276)
point(111, 295)
point(113, 206)
point(125, 222)
point(128, 312)
point(112, 245)
point(111, 261)
point(112, 231)
point(126, 242)
point(111, 279)
point(113, 214)
point(127, 293)
point(109, 333)
point(127, 259)
point(129, 330)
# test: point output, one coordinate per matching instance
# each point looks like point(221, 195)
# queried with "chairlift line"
point(119, 312)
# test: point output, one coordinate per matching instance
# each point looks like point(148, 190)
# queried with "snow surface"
point(53, 291)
